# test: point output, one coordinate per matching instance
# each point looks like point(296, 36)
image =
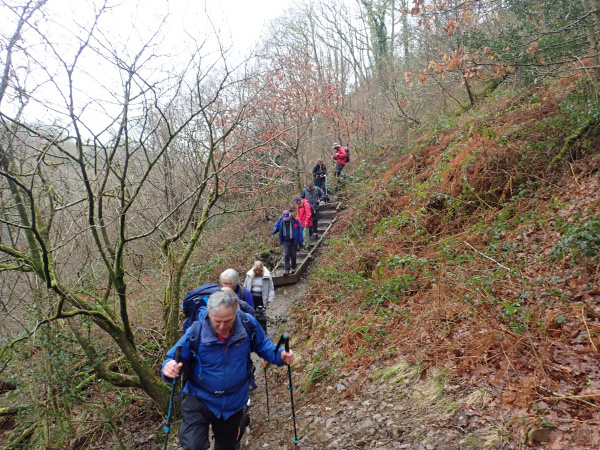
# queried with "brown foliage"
point(531, 332)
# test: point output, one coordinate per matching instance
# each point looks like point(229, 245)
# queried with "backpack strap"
point(249, 327)
point(196, 330)
point(186, 375)
point(242, 292)
point(251, 332)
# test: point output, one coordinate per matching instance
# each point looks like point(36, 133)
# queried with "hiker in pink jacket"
point(305, 218)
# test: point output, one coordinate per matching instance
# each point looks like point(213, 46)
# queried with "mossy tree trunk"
point(592, 7)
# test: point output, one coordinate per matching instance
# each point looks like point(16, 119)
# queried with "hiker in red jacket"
point(305, 218)
point(340, 159)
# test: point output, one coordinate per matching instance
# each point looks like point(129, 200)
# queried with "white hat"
point(336, 145)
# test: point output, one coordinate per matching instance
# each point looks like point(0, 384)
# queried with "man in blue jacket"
point(217, 388)
point(290, 237)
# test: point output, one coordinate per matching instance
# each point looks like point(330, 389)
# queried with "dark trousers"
point(315, 219)
point(195, 421)
point(320, 182)
point(338, 169)
point(258, 300)
point(289, 255)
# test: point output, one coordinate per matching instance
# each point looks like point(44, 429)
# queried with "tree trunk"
point(299, 183)
point(468, 87)
point(152, 385)
point(171, 306)
point(593, 7)
point(173, 292)
point(405, 33)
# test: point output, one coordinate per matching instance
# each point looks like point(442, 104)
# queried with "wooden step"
point(328, 206)
point(326, 214)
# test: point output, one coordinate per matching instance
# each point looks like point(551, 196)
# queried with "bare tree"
point(485, 39)
point(592, 8)
point(80, 198)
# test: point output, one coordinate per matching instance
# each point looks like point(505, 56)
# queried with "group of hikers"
point(214, 352)
point(295, 231)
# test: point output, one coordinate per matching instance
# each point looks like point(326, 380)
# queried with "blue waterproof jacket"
point(247, 295)
point(296, 230)
point(312, 197)
point(222, 366)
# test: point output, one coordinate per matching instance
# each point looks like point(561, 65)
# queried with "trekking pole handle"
point(178, 354)
point(286, 341)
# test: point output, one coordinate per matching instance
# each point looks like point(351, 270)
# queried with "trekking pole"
point(261, 318)
point(285, 339)
point(173, 383)
point(267, 391)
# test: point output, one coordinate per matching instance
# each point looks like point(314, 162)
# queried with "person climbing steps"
point(290, 238)
point(305, 217)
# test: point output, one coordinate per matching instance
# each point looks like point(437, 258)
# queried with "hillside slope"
point(458, 301)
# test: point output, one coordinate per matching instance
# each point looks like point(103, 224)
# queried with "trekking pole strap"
point(285, 341)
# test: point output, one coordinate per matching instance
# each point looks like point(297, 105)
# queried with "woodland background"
point(469, 246)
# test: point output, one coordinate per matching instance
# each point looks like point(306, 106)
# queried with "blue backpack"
point(194, 300)
point(197, 298)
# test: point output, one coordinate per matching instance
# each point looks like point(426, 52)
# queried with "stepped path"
point(348, 411)
point(356, 410)
point(327, 213)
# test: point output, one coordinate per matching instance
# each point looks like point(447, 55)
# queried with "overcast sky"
point(247, 17)
point(243, 20)
point(130, 24)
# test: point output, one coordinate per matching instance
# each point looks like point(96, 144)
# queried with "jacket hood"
point(266, 272)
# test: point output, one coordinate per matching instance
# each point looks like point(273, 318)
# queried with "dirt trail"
point(400, 408)
point(347, 411)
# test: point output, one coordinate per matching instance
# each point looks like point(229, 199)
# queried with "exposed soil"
point(350, 412)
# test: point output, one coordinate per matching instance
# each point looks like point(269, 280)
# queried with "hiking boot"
point(316, 236)
point(293, 271)
point(285, 273)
